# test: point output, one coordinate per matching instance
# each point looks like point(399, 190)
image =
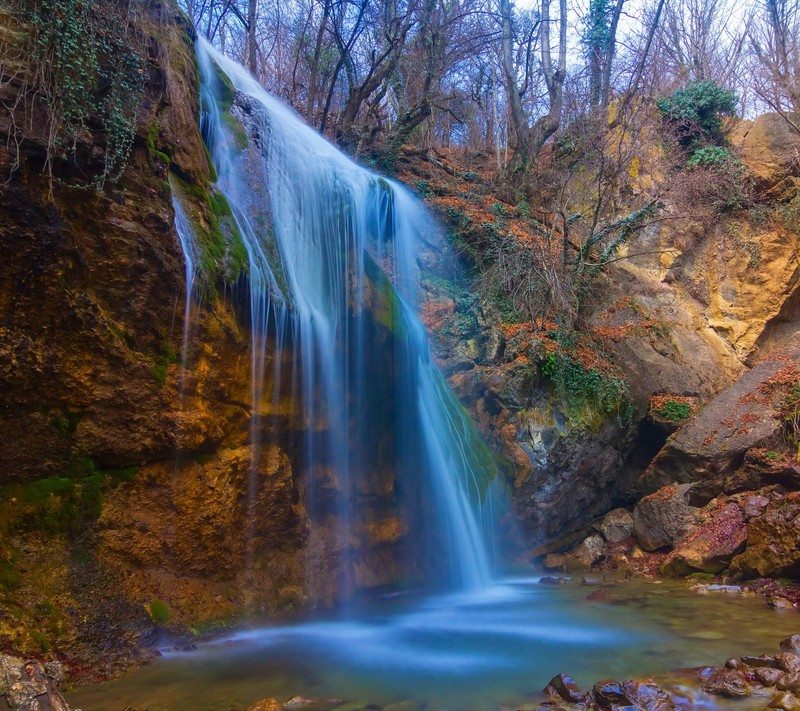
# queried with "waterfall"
point(333, 278)
point(183, 227)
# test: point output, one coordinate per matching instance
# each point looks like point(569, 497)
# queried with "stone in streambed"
point(789, 662)
point(266, 705)
point(608, 693)
point(790, 682)
point(785, 701)
point(564, 687)
point(648, 696)
point(769, 677)
point(764, 660)
point(791, 644)
point(727, 682)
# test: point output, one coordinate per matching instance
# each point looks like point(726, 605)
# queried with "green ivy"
point(695, 112)
point(89, 72)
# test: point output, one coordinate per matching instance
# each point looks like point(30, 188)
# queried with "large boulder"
point(773, 541)
point(617, 525)
point(662, 518)
point(746, 415)
point(710, 545)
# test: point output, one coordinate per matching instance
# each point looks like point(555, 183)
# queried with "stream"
point(460, 652)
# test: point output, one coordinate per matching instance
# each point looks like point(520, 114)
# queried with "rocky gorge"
point(126, 491)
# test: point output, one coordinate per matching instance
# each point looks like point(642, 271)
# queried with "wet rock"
point(789, 662)
point(728, 683)
point(266, 705)
point(609, 693)
point(660, 519)
point(565, 688)
point(786, 701)
point(791, 644)
point(780, 603)
point(709, 546)
point(764, 660)
point(298, 703)
point(617, 525)
point(734, 663)
point(769, 677)
point(550, 580)
point(773, 542)
point(589, 551)
point(790, 682)
point(29, 686)
point(648, 696)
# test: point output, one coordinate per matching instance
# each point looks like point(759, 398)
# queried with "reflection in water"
point(458, 652)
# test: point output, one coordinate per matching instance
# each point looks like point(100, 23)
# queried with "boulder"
point(617, 525)
point(769, 677)
point(785, 701)
point(713, 444)
point(589, 551)
point(773, 542)
point(709, 546)
point(727, 682)
point(789, 662)
point(661, 519)
point(30, 686)
point(791, 644)
point(648, 696)
point(790, 682)
point(609, 693)
point(564, 687)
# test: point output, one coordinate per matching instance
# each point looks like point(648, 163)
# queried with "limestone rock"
point(773, 542)
point(589, 551)
point(743, 417)
point(709, 546)
point(661, 519)
point(29, 686)
point(769, 147)
point(791, 643)
point(617, 525)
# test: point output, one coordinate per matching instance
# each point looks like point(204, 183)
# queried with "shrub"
point(729, 184)
point(695, 112)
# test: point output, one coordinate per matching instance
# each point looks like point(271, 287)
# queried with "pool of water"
point(457, 652)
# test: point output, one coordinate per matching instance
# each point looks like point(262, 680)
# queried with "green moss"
point(223, 255)
point(60, 505)
point(158, 611)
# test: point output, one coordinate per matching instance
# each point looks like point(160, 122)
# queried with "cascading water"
point(183, 227)
point(333, 276)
